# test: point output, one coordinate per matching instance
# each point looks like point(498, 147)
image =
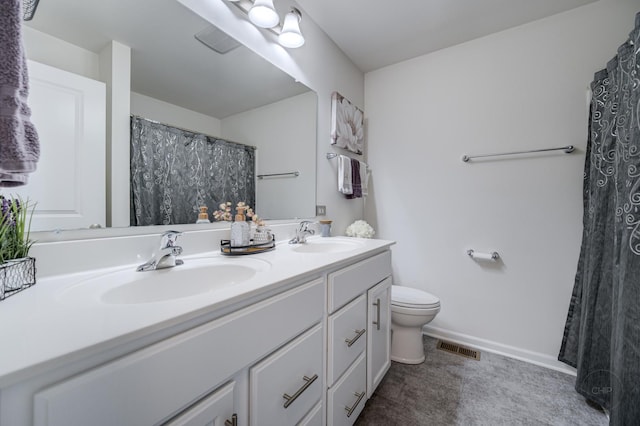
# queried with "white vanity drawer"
point(347, 283)
point(347, 337)
point(346, 399)
point(215, 409)
point(159, 381)
point(294, 371)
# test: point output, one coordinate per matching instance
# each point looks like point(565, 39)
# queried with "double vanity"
point(297, 335)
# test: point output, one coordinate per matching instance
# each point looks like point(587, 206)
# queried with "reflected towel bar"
point(567, 149)
point(295, 174)
point(331, 155)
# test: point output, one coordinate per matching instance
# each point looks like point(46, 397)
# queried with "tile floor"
point(449, 389)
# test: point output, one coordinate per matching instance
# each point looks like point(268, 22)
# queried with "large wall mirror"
point(180, 80)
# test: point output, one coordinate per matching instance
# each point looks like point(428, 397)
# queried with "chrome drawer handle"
point(353, 407)
point(291, 398)
point(359, 334)
point(232, 422)
point(377, 321)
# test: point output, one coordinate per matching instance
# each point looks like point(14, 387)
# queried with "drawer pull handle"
point(232, 422)
point(377, 321)
point(291, 398)
point(353, 407)
point(359, 334)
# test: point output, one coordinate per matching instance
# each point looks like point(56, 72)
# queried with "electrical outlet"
point(321, 210)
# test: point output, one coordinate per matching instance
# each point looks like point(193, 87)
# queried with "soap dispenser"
point(240, 232)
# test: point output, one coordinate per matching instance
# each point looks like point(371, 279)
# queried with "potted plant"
point(17, 269)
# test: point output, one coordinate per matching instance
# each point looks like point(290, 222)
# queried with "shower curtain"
point(602, 332)
point(175, 171)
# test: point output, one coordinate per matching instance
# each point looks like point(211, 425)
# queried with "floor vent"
point(458, 350)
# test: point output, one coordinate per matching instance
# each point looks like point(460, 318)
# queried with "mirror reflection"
point(172, 78)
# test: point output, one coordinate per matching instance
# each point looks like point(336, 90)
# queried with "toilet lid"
point(408, 296)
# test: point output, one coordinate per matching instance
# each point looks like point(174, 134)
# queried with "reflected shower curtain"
point(602, 332)
point(175, 171)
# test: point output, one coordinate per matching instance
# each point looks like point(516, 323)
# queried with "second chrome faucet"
point(302, 233)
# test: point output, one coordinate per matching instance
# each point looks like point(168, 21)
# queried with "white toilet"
point(410, 310)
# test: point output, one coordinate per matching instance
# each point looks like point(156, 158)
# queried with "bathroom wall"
point(524, 88)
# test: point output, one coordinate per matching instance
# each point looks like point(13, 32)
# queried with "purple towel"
point(356, 182)
point(19, 146)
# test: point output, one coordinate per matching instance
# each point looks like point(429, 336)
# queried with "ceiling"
point(375, 33)
point(169, 64)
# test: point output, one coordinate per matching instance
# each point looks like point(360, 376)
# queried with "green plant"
point(15, 227)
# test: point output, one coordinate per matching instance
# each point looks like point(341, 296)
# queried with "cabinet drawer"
point(215, 409)
point(294, 371)
point(159, 381)
point(347, 337)
point(347, 398)
point(347, 283)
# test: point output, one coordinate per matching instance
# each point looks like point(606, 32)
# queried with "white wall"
point(320, 65)
point(43, 48)
point(154, 109)
point(524, 88)
point(284, 134)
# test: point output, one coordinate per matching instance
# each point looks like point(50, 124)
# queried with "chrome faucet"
point(165, 256)
point(302, 233)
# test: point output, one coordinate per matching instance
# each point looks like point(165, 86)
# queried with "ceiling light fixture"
point(290, 36)
point(263, 14)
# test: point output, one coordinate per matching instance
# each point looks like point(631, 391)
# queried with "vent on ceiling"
point(216, 39)
point(458, 350)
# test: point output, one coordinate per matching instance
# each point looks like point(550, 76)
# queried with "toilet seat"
point(408, 297)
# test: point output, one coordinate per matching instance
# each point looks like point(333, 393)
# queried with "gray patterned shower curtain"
point(175, 171)
point(602, 332)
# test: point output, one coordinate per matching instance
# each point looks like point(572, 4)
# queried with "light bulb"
point(290, 36)
point(263, 14)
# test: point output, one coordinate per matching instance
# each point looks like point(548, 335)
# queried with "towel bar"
point(567, 149)
point(295, 174)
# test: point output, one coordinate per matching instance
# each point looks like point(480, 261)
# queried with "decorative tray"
point(228, 250)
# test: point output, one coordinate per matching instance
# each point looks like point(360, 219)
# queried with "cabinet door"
point(217, 409)
point(379, 334)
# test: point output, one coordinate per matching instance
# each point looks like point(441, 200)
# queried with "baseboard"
point(536, 358)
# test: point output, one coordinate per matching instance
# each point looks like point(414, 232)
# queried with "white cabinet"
point(310, 355)
point(359, 327)
point(379, 336)
point(217, 409)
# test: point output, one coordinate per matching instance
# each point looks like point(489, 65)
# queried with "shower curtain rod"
point(567, 149)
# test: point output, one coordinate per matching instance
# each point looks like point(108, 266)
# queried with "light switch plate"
point(321, 210)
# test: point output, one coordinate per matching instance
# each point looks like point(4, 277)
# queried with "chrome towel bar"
point(567, 149)
point(295, 174)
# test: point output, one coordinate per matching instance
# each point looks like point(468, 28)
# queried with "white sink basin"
point(327, 245)
point(194, 277)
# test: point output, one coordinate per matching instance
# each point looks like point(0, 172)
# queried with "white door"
point(69, 112)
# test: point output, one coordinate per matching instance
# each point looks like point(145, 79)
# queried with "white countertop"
point(62, 316)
